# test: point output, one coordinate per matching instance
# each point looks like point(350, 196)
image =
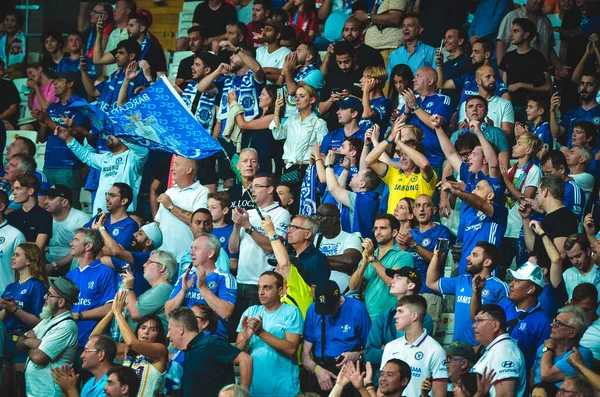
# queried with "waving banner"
point(156, 119)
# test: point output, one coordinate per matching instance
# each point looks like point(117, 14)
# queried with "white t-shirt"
point(63, 233)
point(426, 357)
point(506, 359)
point(573, 278)
point(126, 167)
point(10, 238)
point(177, 237)
point(271, 60)
point(513, 228)
point(337, 246)
point(591, 337)
point(586, 182)
point(499, 110)
point(253, 260)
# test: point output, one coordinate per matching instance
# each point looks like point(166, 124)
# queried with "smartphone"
point(339, 359)
point(556, 89)
point(98, 213)
point(451, 178)
point(339, 157)
point(122, 270)
point(442, 245)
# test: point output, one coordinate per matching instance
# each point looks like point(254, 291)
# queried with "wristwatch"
point(415, 107)
point(546, 349)
point(101, 229)
point(250, 230)
point(170, 208)
point(275, 237)
point(79, 316)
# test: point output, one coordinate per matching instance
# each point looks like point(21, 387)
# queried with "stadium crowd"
point(411, 208)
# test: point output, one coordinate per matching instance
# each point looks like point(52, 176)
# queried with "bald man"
point(418, 111)
point(500, 111)
point(177, 205)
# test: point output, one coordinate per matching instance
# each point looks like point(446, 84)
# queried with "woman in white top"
point(302, 130)
point(145, 350)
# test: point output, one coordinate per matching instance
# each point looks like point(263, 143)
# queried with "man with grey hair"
point(579, 158)
point(53, 342)
point(177, 205)
point(96, 283)
point(551, 363)
point(233, 391)
point(158, 271)
point(208, 285)
point(315, 267)
point(247, 165)
point(207, 359)
point(18, 164)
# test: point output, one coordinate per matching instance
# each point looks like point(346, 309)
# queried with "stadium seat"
point(190, 6)
point(177, 57)
point(33, 57)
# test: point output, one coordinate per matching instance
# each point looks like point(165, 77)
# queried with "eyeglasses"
point(478, 321)
point(111, 194)
point(48, 295)
point(563, 391)
point(455, 358)
point(91, 350)
point(465, 154)
point(294, 227)
point(257, 186)
point(149, 261)
point(560, 324)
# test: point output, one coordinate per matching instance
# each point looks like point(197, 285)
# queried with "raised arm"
point(418, 158)
point(99, 57)
point(156, 352)
point(472, 200)
point(433, 272)
point(556, 263)
point(488, 150)
point(446, 144)
point(338, 192)
point(375, 157)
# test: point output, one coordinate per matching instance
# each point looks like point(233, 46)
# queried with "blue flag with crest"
point(156, 119)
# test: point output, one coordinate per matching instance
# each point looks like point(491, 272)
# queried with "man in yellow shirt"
point(414, 177)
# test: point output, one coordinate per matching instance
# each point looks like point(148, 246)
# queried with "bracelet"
point(101, 229)
point(543, 235)
point(318, 160)
point(388, 141)
point(370, 384)
point(316, 368)
point(370, 388)
point(13, 312)
point(79, 316)
point(328, 166)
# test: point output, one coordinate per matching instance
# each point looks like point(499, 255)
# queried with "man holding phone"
point(422, 241)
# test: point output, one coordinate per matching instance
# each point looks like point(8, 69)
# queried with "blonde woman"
point(377, 108)
point(301, 131)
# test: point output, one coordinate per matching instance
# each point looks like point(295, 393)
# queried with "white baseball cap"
point(530, 271)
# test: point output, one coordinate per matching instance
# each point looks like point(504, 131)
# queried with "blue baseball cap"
point(351, 103)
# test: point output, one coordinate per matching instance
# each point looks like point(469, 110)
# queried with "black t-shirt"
point(184, 71)
point(155, 56)
point(36, 221)
point(315, 269)
point(214, 22)
point(207, 366)
point(560, 223)
point(366, 55)
point(239, 198)
point(338, 80)
point(9, 95)
point(524, 68)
